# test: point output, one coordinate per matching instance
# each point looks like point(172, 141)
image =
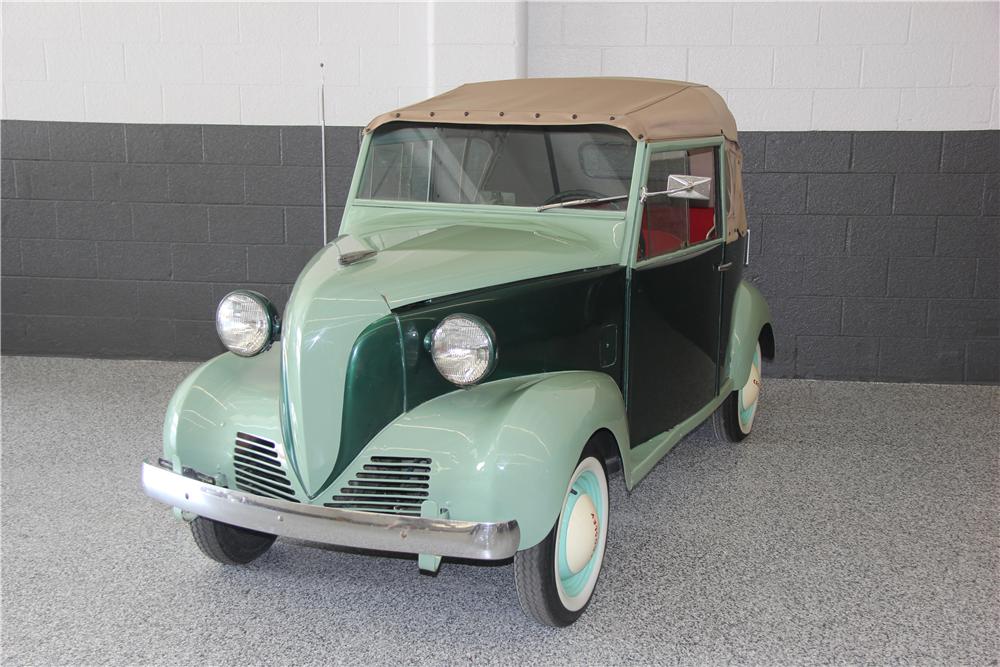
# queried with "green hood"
point(333, 302)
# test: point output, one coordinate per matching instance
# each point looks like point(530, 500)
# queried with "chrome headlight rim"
point(273, 330)
point(491, 347)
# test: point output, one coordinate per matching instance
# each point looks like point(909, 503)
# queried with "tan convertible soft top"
point(650, 109)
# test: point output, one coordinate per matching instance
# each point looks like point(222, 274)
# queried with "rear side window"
point(672, 223)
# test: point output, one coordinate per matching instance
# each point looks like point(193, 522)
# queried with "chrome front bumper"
point(347, 528)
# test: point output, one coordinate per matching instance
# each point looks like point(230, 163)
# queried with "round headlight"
point(463, 349)
point(246, 322)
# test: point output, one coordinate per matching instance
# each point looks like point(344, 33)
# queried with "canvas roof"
point(649, 109)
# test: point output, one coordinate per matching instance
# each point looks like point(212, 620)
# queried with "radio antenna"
point(322, 140)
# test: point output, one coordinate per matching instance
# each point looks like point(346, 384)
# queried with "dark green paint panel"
point(572, 321)
point(374, 390)
point(674, 346)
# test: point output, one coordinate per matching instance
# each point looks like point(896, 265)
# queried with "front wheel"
point(230, 545)
point(734, 418)
point(555, 579)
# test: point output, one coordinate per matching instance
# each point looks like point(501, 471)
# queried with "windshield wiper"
point(581, 202)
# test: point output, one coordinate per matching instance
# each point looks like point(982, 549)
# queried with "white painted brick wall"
point(732, 66)
point(858, 109)
point(864, 23)
point(776, 24)
point(200, 103)
point(163, 63)
point(200, 23)
point(700, 24)
point(84, 61)
point(120, 102)
point(800, 65)
point(668, 62)
point(796, 66)
point(119, 22)
point(373, 24)
point(242, 63)
point(785, 66)
point(907, 65)
point(603, 24)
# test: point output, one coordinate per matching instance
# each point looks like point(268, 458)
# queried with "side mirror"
point(682, 186)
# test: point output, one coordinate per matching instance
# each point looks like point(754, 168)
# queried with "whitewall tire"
point(556, 578)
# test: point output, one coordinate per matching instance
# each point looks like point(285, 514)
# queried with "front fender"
point(222, 396)
point(506, 449)
point(750, 315)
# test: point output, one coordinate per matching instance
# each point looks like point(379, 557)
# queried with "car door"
point(675, 296)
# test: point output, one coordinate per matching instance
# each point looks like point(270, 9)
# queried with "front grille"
point(260, 469)
point(387, 485)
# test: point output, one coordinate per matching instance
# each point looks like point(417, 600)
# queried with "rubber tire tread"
point(229, 545)
point(726, 420)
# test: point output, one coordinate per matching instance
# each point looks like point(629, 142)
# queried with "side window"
point(669, 222)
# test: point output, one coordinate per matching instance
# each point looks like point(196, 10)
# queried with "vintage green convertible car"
point(537, 282)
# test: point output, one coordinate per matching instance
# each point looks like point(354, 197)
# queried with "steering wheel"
point(569, 195)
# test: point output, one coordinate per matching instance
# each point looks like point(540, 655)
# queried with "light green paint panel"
point(329, 308)
point(222, 396)
point(750, 314)
point(427, 251)
point(506, 449)
point(639, 461)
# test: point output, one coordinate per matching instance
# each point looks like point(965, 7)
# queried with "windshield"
point(501, 165)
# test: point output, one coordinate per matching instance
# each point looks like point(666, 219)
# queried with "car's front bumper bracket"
point(347, 528)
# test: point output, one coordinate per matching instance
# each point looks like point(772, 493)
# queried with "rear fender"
point(506, 449)
point(750, 317)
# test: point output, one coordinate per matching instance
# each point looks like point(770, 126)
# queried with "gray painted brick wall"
point(879, 252)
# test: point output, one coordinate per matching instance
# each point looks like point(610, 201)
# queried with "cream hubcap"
point(581, 534)
point(752, 389)
point(750, 393)
point(584, 531)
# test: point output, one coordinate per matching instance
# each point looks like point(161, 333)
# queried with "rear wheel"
point(556, 578)
point(734, 418)
point(230, 545)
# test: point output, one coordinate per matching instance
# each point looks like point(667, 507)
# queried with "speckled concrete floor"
point(860, 524)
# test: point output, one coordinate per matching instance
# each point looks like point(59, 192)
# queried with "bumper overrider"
point(347, 528)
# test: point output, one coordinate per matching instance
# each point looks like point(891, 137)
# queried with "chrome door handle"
point(724, 267)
